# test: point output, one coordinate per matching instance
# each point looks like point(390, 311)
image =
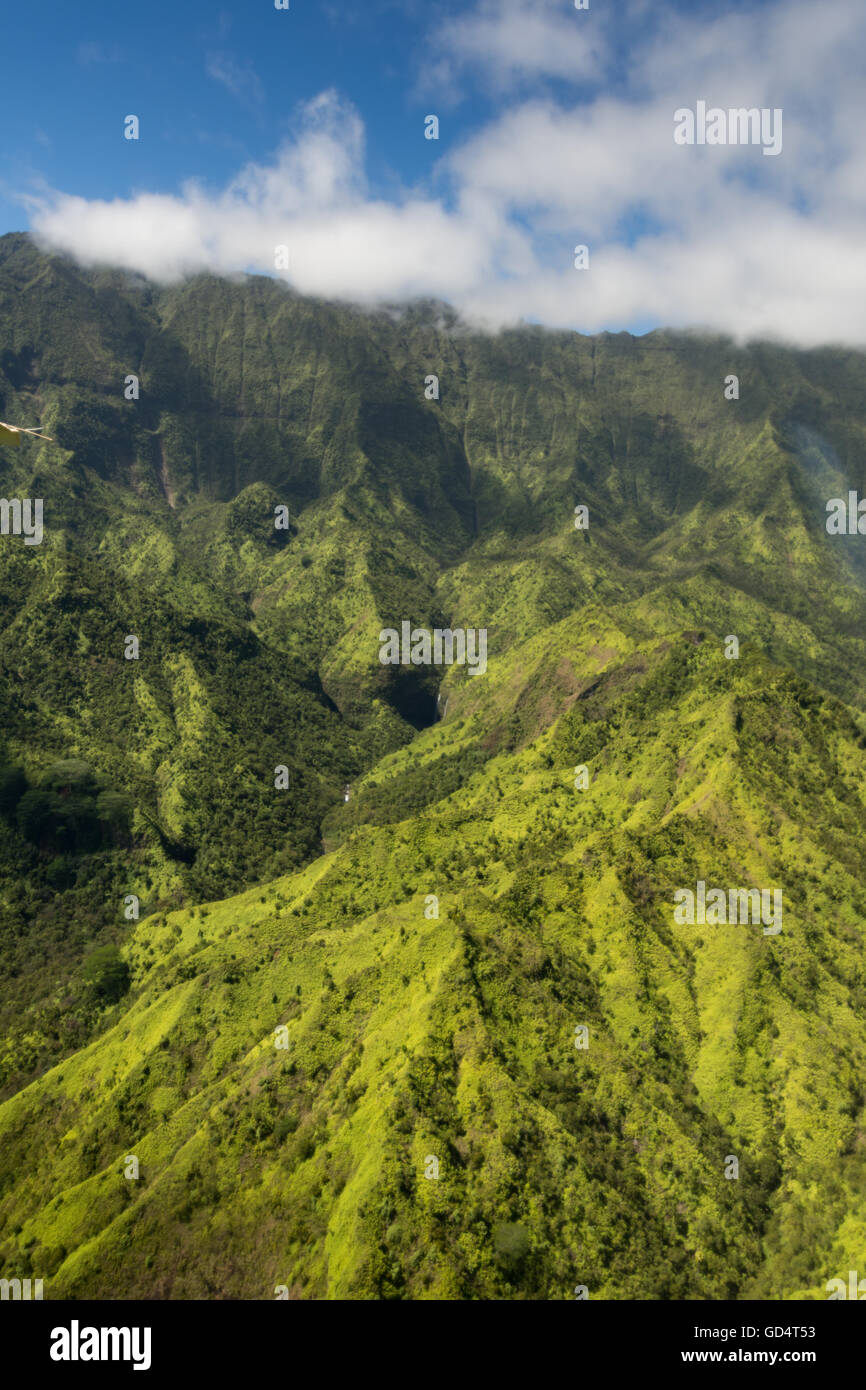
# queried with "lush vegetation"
point(411, 1036)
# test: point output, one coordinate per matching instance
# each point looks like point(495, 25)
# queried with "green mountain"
point(322, 1004)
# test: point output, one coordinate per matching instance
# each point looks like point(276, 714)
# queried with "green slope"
point(411, 1036)
point(453, 1037)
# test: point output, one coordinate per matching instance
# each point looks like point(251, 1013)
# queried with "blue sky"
point(213, 84)
point(304, 128)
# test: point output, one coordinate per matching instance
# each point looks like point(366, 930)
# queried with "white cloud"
point(512, 42)
point(239, 79)
point(714, 236)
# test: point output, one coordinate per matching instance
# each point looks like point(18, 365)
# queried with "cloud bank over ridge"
point(708, 236)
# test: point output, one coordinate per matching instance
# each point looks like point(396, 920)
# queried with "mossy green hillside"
point(413, 1036)
point(453, 1037)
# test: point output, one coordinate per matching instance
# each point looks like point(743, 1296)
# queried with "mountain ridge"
point(412, 1036)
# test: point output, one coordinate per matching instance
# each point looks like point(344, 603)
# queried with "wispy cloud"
point(92, 52)
point(510, 43)
point(239, 79)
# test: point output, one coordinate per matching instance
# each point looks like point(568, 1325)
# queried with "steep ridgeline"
point(500, 1039)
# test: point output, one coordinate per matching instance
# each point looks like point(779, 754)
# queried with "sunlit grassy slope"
point(411, 1036)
